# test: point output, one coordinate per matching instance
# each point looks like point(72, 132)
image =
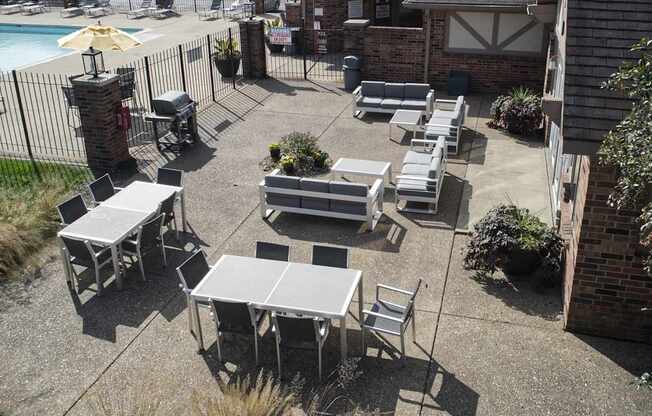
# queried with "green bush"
point(301, 155)
point(507, 230)
point(519, 112)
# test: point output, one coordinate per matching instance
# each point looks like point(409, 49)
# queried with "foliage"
point(645, 380)
point(519, 112)
point(273, 24)
point(301, 155)
point(138, 401)
point(507, 228)
point(275, 151)
point(628, 146)
point(28, 219)
point(227, 49)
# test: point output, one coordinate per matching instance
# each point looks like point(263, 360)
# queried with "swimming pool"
point(22, 45)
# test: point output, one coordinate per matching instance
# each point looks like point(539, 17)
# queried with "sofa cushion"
point(373, 89)
point(416, 91)
point(391, 103)
point(433, 132)
point(320, 204)
point(394, 90)
point(412, 169)
point(283, 200)
point(369, 102)
point(346, 207)
point(435, 165)
point(314, 185)
point(281, 181)
point(412, 104)
point(346, 188)
point(412, 188)
point(417, 158)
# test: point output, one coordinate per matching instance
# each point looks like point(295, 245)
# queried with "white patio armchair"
point(391, 318)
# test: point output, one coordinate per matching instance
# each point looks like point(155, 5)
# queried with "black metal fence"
point(314, 54)
point(180, 6)
point(40, 129)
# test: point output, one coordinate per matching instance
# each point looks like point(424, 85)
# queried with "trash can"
point(351, 69)
point(458, 83)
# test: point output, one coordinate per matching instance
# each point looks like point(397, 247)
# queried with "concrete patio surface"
point(484, 346)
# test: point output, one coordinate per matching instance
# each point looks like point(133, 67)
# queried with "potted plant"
point(287, 164)
point(320, 158)
point(514, 240)
point(272, 24)
point(520, 112)
point(227, 57)
point(275, 151)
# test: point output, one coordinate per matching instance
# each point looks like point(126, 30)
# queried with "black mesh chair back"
point(79, 250)
point(233, 317)
point(193, 270)
point(102, 188)
point(171, 177)
point(127, 80)
point(151, 233)
point(330, 256)
point(167, 208)
point(271, 251)
point(69, 94)
point(216, 5)
point(296, 330)
point(71, 210)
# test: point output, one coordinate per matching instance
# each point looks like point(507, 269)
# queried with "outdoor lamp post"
point(93, 62)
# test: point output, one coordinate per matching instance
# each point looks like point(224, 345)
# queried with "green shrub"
point(227, 49)
point(507, 229)
point(287, 164)
point(519, 112)
point(275, 151)
point(298, 153)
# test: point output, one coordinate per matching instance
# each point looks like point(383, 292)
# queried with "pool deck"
point(158, 35)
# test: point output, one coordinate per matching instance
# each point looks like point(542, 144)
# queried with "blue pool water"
point(22, 45)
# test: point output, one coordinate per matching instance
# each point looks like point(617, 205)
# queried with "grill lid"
point(170, 102)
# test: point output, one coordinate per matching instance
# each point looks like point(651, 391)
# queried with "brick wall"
point(293, 14)
point(393, 54)
point(252, 42)
point(489, 73)
point(605, 284)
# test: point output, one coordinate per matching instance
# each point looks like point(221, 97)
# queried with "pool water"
point(22, 45)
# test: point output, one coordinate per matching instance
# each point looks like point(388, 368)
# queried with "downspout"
point(426, 64)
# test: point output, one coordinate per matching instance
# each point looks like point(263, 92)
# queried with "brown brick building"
point(605, 285)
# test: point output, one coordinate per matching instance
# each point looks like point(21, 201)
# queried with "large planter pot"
point(227, 67)
point(520, 262)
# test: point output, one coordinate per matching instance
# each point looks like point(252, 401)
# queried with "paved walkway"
point(483, 347)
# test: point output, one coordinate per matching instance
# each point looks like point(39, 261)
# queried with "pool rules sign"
point(280, 36)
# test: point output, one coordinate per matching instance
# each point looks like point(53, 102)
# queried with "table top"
point(105, 225)
point(141, 196)
point(360, 166)
point(283, 286)
point(406, 117)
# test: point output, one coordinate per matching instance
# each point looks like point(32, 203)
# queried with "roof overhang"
point(465, 5)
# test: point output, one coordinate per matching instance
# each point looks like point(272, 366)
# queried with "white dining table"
point(104, 226)
point(280, 286)
point(146, 197)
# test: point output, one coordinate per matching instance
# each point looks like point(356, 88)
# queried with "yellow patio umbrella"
point(102, 38)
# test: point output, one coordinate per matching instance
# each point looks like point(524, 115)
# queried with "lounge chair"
point(235, 9)
point(102, 8)
point(213, 12)
point(11, 7)
point(144, 10)
point(33, 9)
point(74, 9)
point(165, 10)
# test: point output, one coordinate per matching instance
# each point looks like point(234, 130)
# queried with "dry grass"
point(125, 401)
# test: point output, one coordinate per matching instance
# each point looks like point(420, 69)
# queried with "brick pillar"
point(354, 36)
point(605, 285)
point(252, 39)
point(293, 14)
point(106, 143)
point(259, 6)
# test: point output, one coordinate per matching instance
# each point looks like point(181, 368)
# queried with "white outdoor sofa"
point(387, 97)
point(447, 121)
point(422, 175)
point(11, 7)
point(351, 201)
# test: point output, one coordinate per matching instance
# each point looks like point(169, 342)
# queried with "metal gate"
point(313, 55)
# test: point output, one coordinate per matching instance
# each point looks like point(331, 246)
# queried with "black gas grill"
point(178, 112)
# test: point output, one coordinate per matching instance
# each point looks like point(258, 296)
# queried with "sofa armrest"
point(357, 90)
point(430, 99)
point(417, 178)
point(424, 143)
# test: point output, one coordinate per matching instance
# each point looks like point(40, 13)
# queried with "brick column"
point(354, 36)
point(252, 40)
point(259, 6)
point(293, 14)
point(98, 100)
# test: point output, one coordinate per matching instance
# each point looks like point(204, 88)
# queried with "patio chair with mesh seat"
point(85, 254)
point(213, 12)
point(236, 318)
point(190, 274)
point(299, 332)
point(71, 103)
point(148, 238)
point(72, 210)
point(167, 208)
point(102, 188)
point(330, 256)
point(163, 10)
point(391, 318)
point(272, 251)
point(171, 177)
point(145, 9)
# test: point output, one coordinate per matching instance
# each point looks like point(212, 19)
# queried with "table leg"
point(360, 308)
point(389, 171)
point(343, 343)
point(183, 210)
point(199, 335)
point(389, 135)
point(116, 268)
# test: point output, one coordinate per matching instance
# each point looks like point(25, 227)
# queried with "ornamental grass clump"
point(519, 112)
point(297, 154)
point(514, 240)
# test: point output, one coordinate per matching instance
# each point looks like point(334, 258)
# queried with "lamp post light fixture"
point(93, 62)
